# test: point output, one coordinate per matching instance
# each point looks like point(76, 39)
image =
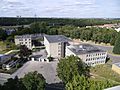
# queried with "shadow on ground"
point(55, 86)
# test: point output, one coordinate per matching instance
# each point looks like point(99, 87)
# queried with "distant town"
point(59, 54)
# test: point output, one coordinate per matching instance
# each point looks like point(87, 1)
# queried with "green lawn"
point(3, 48)
point(105, 72)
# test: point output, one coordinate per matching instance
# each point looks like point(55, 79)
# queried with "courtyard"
point(48, 70)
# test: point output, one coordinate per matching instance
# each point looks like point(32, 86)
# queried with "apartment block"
point(27, 39)
point(55, 45)
point(89, 54)
point(24, 40)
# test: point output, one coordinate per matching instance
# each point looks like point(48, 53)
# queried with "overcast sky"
point(61, 8)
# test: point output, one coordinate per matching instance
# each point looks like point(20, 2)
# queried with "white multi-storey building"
point(55, 45)
point(24, 40)
point(27, 39)
point(89, 54)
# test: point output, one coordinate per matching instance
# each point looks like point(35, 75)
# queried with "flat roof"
point(1, 55)
point(117, 64)
point(23, 36)
point(57, 38)
point(113, 88)
point(84, 49)
point(33, 36)
point(36, 56)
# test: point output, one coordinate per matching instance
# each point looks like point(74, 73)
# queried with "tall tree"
point(116, 48)
point(24, 52)
point(3, 34)
point(13, 84)
point(70, 66)
point(78, 83)
point(34, 81)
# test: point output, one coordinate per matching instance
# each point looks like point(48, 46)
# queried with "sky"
point(61, 8)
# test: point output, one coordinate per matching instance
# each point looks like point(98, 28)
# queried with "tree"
point(13, 84)
point(50, 58)
point(3, 34)
point(24, 52)
point(82, 83)
point(116, 48)
point(78, 83)
point(34, 81)
point(70, 66)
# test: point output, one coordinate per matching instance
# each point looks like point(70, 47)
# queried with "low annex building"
point(116, 67)
point(89, 54)
point(4, 58)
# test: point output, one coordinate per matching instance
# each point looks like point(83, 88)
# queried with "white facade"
point(39, 59)
point(55, 49)
point(24, 40)
point(90, 58)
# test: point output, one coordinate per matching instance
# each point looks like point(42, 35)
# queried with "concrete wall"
point(47, 46)
point(116, 68)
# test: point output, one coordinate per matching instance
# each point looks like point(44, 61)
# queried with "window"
point(59, 54)
point(59, 43)
point(59, 50)
point(20, 39)
point(87, 55)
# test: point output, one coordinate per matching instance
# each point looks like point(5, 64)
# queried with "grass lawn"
point(105, 72)
point(3, 47)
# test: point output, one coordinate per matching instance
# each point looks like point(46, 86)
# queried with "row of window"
point(97, 54)
point(24, 39)
point(25, 42)
point(98, 58)
point(97, 62)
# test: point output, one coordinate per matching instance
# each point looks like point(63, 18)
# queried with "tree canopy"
point(116, 48)
point(34, 81)
point(24, 52)
point(13, 84)
point(31, 81)
point(70, 66)
point(82, 83)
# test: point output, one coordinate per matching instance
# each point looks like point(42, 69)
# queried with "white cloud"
point(59, 8)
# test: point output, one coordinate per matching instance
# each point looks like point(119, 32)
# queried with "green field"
point(105, 72)
point(3, 47)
